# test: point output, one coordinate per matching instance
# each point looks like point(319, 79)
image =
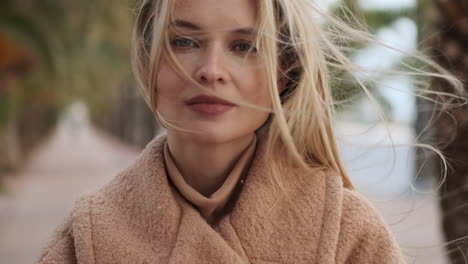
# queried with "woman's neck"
point(205, 167)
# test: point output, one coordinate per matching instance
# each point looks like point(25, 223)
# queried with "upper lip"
point(207, 99)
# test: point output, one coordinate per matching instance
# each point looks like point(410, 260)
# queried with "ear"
point(282, 84)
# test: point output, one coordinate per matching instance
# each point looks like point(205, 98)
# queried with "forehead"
point(217, 14)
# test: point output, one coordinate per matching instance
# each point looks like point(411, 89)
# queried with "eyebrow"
point(192, 26)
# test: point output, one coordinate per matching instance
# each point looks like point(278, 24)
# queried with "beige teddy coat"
point(140, 218)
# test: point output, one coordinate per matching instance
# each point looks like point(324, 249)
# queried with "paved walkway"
point(77, 159)
point(74, 160)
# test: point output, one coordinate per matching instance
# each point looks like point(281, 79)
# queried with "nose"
point(212, 69)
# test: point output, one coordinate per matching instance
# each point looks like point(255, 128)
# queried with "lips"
point(209, 105)
point(207, 99)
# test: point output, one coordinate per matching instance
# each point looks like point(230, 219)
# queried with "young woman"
point(248, 171)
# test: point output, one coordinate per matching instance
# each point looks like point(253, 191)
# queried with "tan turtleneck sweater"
point(212, 206)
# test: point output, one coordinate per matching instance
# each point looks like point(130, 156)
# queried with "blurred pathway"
point(74, 160)
point(77, 159)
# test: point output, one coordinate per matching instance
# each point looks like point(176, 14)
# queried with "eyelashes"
point(245, 47)
point(183, 43)
point(241, 46)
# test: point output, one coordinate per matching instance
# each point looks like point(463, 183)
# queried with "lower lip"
point(211, 109)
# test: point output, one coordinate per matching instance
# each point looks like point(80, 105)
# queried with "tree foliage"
point(80, 48)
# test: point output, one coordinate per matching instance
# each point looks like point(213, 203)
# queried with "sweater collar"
point(216, 201)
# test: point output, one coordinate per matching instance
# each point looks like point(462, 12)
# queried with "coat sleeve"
point(71, 242)
point(364, 237)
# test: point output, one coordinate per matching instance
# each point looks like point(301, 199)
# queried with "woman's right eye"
point(183, 43)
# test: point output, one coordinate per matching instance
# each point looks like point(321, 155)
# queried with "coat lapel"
point(198, 242)
point(192, 239)
point(136, 217)
point(273, 232)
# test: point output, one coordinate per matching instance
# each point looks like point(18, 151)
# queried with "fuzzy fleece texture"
point(140, 218)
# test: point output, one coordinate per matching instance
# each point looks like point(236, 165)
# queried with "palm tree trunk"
point(449, 46)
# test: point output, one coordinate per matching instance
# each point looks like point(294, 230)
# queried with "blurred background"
point(71, 117)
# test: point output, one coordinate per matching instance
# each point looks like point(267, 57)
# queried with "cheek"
point(257, 90)
point(169, 86)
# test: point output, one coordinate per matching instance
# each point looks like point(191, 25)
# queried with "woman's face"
point(214, 42)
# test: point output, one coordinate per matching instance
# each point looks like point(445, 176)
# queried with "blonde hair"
point(311, 44)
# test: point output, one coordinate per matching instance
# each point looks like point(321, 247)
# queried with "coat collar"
point(259, 227)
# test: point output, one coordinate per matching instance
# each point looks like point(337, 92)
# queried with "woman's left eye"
point(245, 47)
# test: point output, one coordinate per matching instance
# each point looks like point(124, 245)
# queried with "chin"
point(213, 137)
point(204, 135)
point(217, 132)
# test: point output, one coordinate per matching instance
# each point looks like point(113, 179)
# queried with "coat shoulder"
point(364, 235)
point(107, 211)
point(135, 181)
point(357, 209)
